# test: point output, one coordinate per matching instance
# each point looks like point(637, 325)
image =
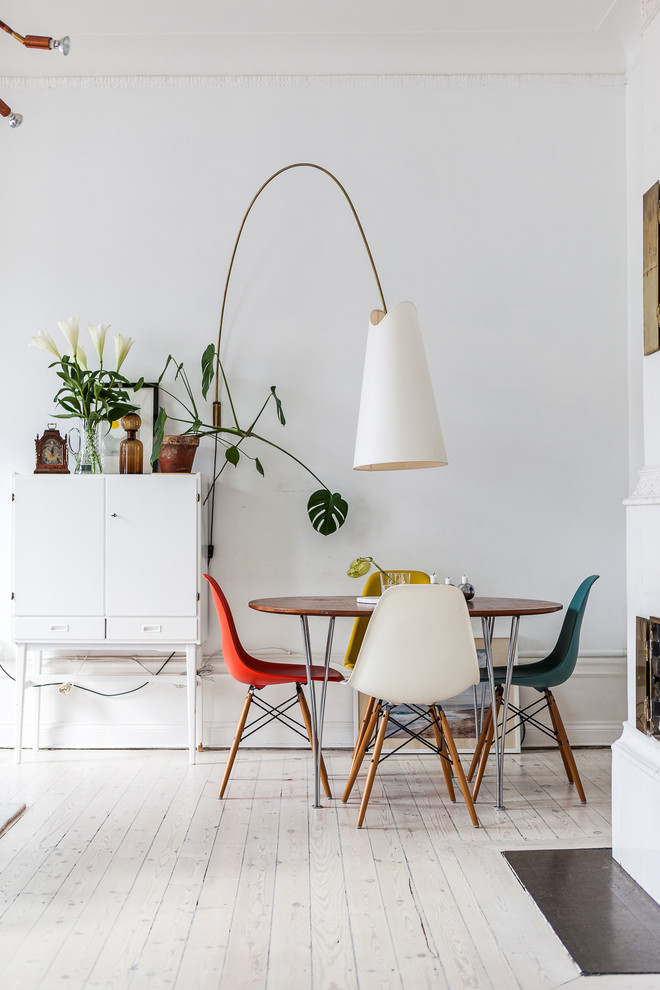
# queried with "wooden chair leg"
point(480, 743)
point(565, 747)
point(374, 766)
point(359, 756)
point(549, 698)
point(444, 755)
point(302, 701)
point(458, 768)
point(237, 739)
point(364, 724)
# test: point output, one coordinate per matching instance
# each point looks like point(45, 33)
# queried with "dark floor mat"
point(607, 922)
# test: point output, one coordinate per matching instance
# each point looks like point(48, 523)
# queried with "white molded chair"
point(418, 650)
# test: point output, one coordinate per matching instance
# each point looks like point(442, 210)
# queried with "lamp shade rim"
point(399, 465)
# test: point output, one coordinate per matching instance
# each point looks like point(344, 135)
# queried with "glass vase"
point(88, 456)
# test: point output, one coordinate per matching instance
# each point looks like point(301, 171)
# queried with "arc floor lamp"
point(398, 425)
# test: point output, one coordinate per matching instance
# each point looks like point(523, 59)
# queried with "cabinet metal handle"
point(113, 515)
point(152, 629)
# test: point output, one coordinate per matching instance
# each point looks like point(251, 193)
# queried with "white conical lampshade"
point(398, 425)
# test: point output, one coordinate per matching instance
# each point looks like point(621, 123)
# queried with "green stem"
point(292, 456)
point(228, 390)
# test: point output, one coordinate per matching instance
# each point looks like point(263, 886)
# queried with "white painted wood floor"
point(127, 873)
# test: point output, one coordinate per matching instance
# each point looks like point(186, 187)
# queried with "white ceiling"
point(217, 37)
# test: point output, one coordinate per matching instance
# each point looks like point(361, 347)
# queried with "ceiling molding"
point(457, 81)
point(648, 11)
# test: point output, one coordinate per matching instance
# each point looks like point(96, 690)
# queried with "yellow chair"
point(372, 587)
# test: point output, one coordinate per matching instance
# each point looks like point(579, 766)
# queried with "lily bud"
point(98, 334)
point(71, 330)
point(122, 347)
point(44, 342)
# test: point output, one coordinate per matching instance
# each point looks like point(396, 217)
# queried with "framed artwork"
point(642, 674)
point(651, 279)
point(459, 711)
point(146, 399)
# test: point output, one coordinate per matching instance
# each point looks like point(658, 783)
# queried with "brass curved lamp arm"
point(216, 404)
point(38, 40)
point(30, 41)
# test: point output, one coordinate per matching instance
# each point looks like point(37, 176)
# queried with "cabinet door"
point(58, 546)
point(151, 545)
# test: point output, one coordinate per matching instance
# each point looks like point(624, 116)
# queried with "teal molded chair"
point(542, 675)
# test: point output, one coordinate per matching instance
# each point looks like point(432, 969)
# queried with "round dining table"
point(348, 606)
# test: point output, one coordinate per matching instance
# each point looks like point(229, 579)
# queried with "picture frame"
point(146, 399)
point(651, 268)
point(459, 712)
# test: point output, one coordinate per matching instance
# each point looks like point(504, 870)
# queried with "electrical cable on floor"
point(118, 694)
point(6, 673)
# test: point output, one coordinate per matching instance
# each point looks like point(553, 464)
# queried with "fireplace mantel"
point(636, 756)
point(647, 490)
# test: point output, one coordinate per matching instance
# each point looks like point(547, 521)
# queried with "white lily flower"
point(81, 357)
point(44, 342)
point(122, 347)
point(71, 330)
point(98, 337)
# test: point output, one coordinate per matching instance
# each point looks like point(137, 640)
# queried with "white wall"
point(497, 204)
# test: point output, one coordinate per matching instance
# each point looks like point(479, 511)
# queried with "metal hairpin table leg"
point(317, 714)
point(511, 656)
point(487, 627)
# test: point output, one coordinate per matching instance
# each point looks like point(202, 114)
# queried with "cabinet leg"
point(36, 707)
point(199, 718)
point(21, 650)
point(191, 692)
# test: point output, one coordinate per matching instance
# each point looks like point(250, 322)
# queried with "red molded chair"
point(258, 674)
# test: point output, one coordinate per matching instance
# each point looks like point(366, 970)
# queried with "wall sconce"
point(63, 45)
point(398, 426)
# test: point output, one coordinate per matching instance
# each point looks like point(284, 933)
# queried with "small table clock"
point(51, 451)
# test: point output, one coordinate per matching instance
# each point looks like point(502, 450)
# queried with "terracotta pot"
point(177, 454)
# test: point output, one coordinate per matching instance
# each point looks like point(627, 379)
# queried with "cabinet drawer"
point(33, 628)
point(152, 630)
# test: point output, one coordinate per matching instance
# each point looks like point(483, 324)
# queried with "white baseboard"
point(592, 704)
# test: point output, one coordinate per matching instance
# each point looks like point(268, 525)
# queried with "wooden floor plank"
point(247, 947)
point(206, 946)
point(291, 920)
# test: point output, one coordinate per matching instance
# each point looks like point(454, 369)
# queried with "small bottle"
point(434, 578)
point(466, 588)
point(130, 449)
point(449, 581)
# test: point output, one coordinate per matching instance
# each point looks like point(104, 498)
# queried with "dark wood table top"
point(347, 606)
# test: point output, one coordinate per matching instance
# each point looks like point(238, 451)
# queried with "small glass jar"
point(466, 588)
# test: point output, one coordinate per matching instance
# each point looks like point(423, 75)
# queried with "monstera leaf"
point(327, 511)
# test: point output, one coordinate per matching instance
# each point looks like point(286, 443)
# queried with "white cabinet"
point(107, 561)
